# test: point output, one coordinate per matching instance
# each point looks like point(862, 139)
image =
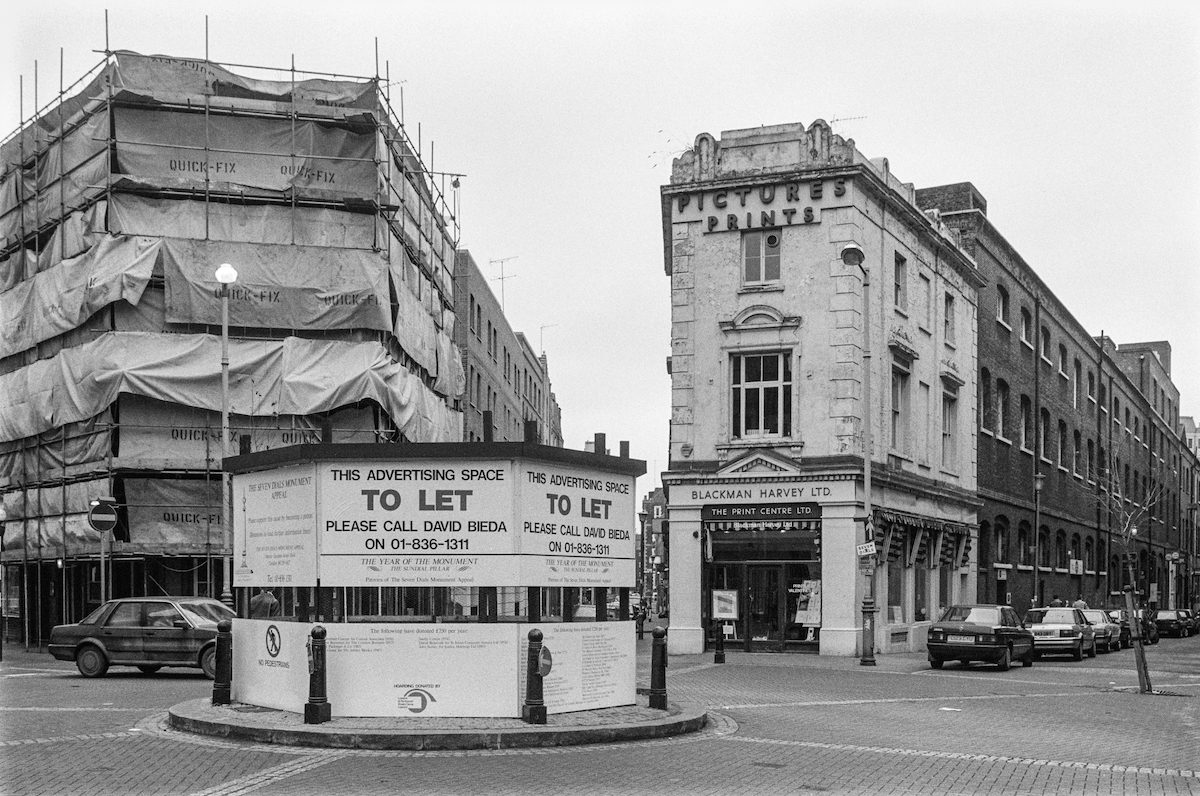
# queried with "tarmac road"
point(778, 724)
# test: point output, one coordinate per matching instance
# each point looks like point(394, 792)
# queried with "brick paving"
point(778, 724)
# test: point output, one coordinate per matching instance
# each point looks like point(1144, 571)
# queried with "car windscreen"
point(1096, 617)
point(94, 616)
point(1051, 616)
point(968, 613)
point(207, 611)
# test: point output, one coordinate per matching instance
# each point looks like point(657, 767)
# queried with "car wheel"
point(208, 662)
point(1077, 653)
point(1115, 645)
point(91, 661)
point(934, 663)
point(1005, 659)
point(148, 668)
point(1091, 653)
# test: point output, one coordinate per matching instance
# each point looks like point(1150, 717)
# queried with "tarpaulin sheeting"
point(292, 376)
point(29, 459)
point(270, 154)
point(36, 517)
point(181, 218)
point(173, 516)
point(278, 287)
point(156, 432)
point(59, 299)
point(73, 236)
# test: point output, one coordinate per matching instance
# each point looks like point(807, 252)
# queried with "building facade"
point(655, 558)
point(1083, 457)
point(775, 342)
point(117, 204)
point(504, 376)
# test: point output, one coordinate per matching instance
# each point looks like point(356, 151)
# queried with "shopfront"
point(764, 571)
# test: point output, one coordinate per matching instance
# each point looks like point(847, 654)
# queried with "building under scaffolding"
point(118, 200)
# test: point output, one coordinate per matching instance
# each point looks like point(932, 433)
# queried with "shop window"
point(761, 394)
point(921, 592)
point(760, 256)
point(895, 592)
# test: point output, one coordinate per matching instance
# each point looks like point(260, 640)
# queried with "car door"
point(1022, 639)
point(122, 633)
point(165, 641)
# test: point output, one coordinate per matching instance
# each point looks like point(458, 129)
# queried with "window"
point(1075, 383)
point(1026, 327)
point(760, 257)
point(900, 288)
point(949, 430)
point(948, 321)
point(1026, 423)
point(1024, 544)
point(926, 308)
point(1062, 360)
point(1077, 452)
point(1089, 555)
point(900, 405)
point(1062, 444)
point(1091, 460)
point(1091, 393)
point(1000, 540)
point(762, 394)
point(1002, 304)
point(1002, 421)
point(1046, 343)
point(1060, 550)
point(1044, 433)
point(985, 400)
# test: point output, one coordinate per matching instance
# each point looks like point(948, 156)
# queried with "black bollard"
point(641, 625)
point(317, 710)
point(658, 670)
point(718, 642)
point(534, 709)
point(224, 674)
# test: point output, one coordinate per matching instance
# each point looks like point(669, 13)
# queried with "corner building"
point(772, 335)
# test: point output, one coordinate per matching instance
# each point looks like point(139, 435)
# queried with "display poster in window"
point(725, 604)
point(807, 594)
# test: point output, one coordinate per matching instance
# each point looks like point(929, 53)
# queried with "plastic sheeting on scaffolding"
point(73, 448)
point(62, 297)
point(38, 517)
point(292, 376)
point(173, 516)
point(278, 287)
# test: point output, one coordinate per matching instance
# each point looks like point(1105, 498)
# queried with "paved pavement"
point(777, 724)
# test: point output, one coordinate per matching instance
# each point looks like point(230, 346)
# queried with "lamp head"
point(852, 254)
point(1038, 480)
point(226, 274)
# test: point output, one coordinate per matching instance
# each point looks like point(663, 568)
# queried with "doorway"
point(764, 608)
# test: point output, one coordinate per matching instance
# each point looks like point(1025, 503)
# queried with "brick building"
point(504, 375)
point(1098, 421)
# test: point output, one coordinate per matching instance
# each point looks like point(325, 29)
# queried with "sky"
point(1079, 122)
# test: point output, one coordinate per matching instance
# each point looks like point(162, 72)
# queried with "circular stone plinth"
point(267, 725)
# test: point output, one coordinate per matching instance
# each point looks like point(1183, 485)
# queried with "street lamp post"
point(853, 256)
point(226, 274)
point(1038, 480)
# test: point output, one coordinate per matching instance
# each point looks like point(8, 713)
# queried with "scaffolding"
point(118, 198)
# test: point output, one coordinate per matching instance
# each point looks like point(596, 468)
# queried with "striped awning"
point(762, 525)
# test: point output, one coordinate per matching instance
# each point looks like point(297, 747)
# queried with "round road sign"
point(103, 517)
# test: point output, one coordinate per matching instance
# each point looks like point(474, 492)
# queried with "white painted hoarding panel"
point(274, 517)
point(594, 665)
point(398, 669)
point(270, 663)
point(426, 523)
point(577, 526)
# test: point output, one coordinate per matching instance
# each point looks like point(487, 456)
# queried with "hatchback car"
point(1061, 631)
point(990, 633)
point(1172, 622)
point(1108, 632)
point(146, 632)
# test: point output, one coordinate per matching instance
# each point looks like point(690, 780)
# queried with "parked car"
point(990, 633)
point(1193, 620)
point(1172, 622)
point(1122, 621)
point(1108, 632)
point(146, 632)
point(1061, 631)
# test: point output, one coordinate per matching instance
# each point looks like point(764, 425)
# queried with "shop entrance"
point(768, 582)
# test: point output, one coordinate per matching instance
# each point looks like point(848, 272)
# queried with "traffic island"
point(606, 725)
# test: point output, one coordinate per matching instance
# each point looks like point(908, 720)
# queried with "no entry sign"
point(103, 517)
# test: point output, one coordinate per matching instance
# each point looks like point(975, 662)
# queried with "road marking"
point(889, 701)
point(267, 776)
point(77, 709)
point(1023, 761)
point(65, 738)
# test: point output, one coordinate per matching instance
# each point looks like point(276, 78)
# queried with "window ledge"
point(1003, 440)
point(1044, 460)
point(901, 311)
point(1024, 567)
point(1026, 451)
point(950, 344)
point(949, 474)
point(1003, 323)
point(765, 288)
point(1001, 565)
point(1048, 362)
point(987, 431)
point(924, 328)
point(1027, 343)
point(1062, 469)
point(1064, 375)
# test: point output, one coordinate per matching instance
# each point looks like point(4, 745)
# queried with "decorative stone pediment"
point(762, 462)
point(759, 316)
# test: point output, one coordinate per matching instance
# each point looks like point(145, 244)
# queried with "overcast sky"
point(1078, 121)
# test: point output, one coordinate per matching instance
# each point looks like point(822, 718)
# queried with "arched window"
point(1003, 422)
point(1044, 447)
point(1002, 304)
point(1060, 549)
point(1026, 423)
point(1116, 572)
point(1077, 454)
point(1075, 550)
point(1000, 540)
point(1091, 460)
point(1046, 343)
point(1026, 327)
point(986, 416)
point(1089, 555)
point(1024, 544)
point(1063, 453)
point(1044, 551)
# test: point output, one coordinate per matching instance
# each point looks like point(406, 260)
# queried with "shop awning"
point(762, 525)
